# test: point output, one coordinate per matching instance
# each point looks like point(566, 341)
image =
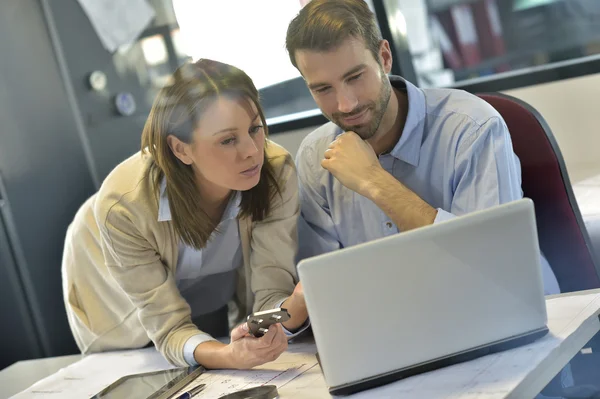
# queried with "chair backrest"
point(563, 237)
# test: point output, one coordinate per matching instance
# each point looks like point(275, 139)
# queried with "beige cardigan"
point(118, 268)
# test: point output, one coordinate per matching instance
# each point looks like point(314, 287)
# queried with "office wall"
point(291, 140)
point(571, 108)
point(110, 138)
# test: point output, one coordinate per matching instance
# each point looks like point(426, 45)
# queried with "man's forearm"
point(298, 313)
point(407, 210)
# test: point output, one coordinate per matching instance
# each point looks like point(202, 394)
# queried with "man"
point(395, 157)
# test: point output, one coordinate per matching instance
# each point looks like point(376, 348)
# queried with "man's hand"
point(352, 161)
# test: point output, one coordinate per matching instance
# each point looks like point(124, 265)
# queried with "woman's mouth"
point(252, 171)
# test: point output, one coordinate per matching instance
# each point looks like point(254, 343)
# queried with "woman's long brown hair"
point(176, 111)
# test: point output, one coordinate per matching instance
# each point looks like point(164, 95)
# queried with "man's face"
point(348, 84)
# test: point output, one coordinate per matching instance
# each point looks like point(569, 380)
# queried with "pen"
point(191, 392)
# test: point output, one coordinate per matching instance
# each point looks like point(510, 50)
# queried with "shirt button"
point(388, 225)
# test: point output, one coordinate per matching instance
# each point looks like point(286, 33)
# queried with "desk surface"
point(547, 356)
point(25, 373)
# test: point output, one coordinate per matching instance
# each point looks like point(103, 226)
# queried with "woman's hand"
point(246, 351)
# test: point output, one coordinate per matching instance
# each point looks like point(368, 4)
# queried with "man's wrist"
point(376, 184)
point(296, 306)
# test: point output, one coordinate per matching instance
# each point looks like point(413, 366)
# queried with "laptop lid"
point(425, 295)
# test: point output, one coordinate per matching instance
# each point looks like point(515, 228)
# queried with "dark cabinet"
point(23, 341)
point(45, 177)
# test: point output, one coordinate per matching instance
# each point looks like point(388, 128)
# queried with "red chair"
point(562, 234)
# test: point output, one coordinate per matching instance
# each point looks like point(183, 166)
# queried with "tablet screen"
point(148, 385)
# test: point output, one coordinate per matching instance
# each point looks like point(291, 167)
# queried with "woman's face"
point(227, 150)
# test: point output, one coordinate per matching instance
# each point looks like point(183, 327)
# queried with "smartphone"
point(259, 322)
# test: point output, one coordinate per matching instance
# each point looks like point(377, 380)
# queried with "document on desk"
point(93, 373)
point(290, 365)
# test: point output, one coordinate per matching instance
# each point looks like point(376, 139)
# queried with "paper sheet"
point(289, 366)
point(93, 373)
point(118, 22)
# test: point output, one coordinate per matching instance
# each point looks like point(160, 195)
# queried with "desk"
point(23, 374)
point(490, 376)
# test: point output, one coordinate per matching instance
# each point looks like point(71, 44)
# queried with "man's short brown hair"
point(323, 25)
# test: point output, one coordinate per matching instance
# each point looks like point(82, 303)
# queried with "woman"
point(204, 216)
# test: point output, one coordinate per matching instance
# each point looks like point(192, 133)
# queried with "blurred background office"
point(77, 81)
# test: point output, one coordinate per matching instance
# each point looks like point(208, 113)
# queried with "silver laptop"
point(428, 298)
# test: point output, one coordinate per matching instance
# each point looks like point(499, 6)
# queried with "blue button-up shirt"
point(455, 152)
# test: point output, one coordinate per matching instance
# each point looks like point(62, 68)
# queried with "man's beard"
point(378, 108)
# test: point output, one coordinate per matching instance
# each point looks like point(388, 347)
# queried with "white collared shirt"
point(206, 278)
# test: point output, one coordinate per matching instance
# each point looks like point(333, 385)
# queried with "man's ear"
point(385, 56)
point(180, 149)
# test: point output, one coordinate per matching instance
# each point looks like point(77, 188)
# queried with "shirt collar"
point(408, 148)
point(164, 210)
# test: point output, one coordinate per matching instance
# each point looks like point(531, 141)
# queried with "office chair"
point(563, 237)
point(562, 234)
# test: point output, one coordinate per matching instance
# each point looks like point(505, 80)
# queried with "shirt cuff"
point(190, 346)
point(300, 330)
point(442, 216)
